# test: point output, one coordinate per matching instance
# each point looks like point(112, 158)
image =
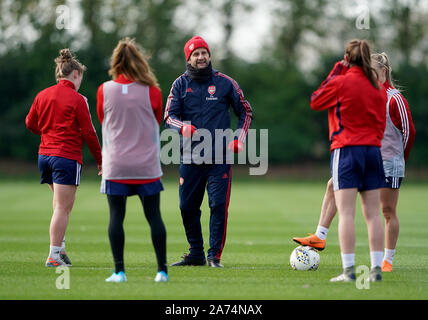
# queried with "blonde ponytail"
point(382, 61)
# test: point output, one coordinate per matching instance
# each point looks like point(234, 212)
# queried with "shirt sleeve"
point(173, 108)
point(326, 95)
point(88, 130)
point(32, 119)
point(100, 103)
point(156, 102)
point(399, 112)
point(243, 111)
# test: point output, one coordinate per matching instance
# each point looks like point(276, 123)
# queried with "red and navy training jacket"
point(207, 105)
point(61, 116)
point(356, 109)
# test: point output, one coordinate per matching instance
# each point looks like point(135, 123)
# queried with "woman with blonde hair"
point(61, 116)
point(396, 145)
point(129, 108)
point(355, 101)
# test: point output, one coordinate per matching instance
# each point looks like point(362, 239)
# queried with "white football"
point(304, 258)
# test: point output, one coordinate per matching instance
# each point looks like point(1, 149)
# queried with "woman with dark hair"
point(355, 101)
point(129, 108)
point(61, 116)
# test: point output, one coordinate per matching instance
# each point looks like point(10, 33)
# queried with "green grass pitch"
point(263, 218)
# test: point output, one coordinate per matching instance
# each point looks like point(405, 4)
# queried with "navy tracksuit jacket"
point(206, 105)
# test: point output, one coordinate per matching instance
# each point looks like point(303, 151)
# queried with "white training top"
point(392, 144)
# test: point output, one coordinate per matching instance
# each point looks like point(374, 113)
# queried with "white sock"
point(376, 258)
point(321, 232)
point(389, 255)
point(348, 259)
point(54, 252)
point(63, 244)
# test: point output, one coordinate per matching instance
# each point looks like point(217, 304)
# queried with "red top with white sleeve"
point(399, 112)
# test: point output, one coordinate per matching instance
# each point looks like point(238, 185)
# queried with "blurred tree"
point(280, 99)
point(408, 27)
point(26, 63)
point(414, 87)
point(306, 39)
point(228, 12)
point(294, 19)
point(408, 50)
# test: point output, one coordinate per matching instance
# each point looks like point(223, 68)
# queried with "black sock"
point(117, 205)
point(151, 206)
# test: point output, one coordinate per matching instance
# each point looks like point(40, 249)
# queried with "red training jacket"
point(61, 116)
point(356, 109)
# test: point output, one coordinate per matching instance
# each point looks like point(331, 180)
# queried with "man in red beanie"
point(195, 43)
point(201, 98)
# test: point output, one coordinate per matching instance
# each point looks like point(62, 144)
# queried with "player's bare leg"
point(63, 201)
point(345, 203)
point(389, 199)
point(63, 255)
point(328, 212)
point(328, 209)
point(370, 201)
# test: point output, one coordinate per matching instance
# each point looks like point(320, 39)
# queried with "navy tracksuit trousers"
point(216, 178)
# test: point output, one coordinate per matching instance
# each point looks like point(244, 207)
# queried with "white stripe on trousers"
point(335, 169)
point(103, 186)
point(394, 182)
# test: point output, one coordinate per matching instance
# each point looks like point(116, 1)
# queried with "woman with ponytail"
point(396, 145)
point(61, 116)
point(397, 142)
point(355, 101)
point(129, 108)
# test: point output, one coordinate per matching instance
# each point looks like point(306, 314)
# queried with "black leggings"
point(117, 205)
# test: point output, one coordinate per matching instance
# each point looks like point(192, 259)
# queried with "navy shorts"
point(358, 167)
point(59, 170)
point(112, 188)
point(392, 182)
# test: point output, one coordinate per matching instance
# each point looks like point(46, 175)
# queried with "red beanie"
point(194, 43)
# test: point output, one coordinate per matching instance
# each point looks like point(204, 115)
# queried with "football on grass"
point(304, 258)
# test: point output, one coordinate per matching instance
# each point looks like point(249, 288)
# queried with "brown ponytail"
point(66, 63)
point(359, 54)
point(382, 60)
point(128, 59)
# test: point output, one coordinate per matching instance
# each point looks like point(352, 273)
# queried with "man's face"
point(200, 58)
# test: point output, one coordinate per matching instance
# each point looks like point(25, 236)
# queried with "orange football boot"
point(311, 241)
point(386, 266)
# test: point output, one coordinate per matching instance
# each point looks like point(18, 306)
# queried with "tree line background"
point(305, 39)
